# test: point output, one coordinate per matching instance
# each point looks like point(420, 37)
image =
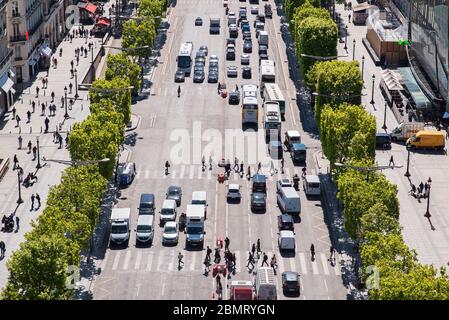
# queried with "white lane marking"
point(314, 266)
point(227, 218)
point(159, 261)
point(138, 259)
point(150, 261)
point(200, 173)
point(324, 262)
point(193, 259)
point(104, 261)
point(147, 174)
point(192, 169)
point(209, 174)
point(165, 91)
point(183, 169)
point(238, 262)
point(216, 207)
point(302, 261)
point(337, 267)
point(127, 258)
point(281, 265)
point(173, 174)
point(292, 265)
point(172, 260)
point(116, 260)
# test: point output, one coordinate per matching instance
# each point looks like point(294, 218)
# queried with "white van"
point(265, 284)
point(312, 185)
point(145, 228)
point(263, 38)
point(288, 200)
point(168, 211)
point(200, 197)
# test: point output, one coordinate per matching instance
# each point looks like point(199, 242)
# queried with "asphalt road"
point(201, 121)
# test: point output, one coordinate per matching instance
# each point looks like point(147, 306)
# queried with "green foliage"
point(139, 33)
point(378, 220)
point(347, 133)
point(120, 98)
point(38, 270)
point(151, 8)
point(120, 66)
point(290, 7)
point(336, 82)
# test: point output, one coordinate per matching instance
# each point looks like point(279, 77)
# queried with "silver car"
point(232, 71)
point(170, 234)
point(244, 59)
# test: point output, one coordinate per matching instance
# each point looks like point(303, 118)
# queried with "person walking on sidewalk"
point(332, 254)
point(34, 153)
point(60, 141)
point(46, 121)
point(391, 161)
point(16, 162)
point(14, 112)
point(167, 165)
point(20, 142)
point(42, 109)
point(32, 202)
point(180, 256)
point(2, 249)
point(17, 223)
point(28, 116)
point(18, 120)
point(282, 165)
point(38, 199)
point(29, 146)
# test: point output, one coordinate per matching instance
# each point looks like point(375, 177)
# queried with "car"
point(174, 193)
point(244, 59)
point(180, 76)
point(212, 77)
point(232, 71)
point(198, 76)
point(246, 35)
point(200, 54)
point(230, 53)
point(275, 149)
point(247, 45)
point(285, 222)
point(170, 235)
point(234, 97)
point(259, 18)
point(200, 60)
point(213, 68)
point(258, 201)
point(213, 58)
point(290, 282)
point(286, 241)
point(263, 49)
point(283, 183)
point(125, 173)
point(234, 192)
point(254, 10)
point(198, 21)
point(233, 31)
point(263, 56)
point(383, 140)
point(204, 49)
point(246, 72)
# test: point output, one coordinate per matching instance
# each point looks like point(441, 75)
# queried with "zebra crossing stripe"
point(159, 261)
point(149, 261)
point(192, 262)
point(314, 266)
point(183, 169)
point(209, 174)
point(292, 264)
point(138, 259)
point(127, 258)
point(200, 173)
point(147, 174)
point(103, 262)
point(138, 172)
point(191, 172)
point(324, 262)
point(173, 174)
point(172, 261)
point(302, 261)
point(116, 260)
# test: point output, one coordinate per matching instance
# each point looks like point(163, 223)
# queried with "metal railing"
point(6, 59)
point(17, 38)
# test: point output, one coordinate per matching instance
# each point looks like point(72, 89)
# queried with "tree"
point(378, 220)
point(290, 7)
point(117, 90)
point(151, 8)
point(336, 82)
point(347, 132)
point(139, 34)
point(38, 270)
point(105, 111)
point(119, 65)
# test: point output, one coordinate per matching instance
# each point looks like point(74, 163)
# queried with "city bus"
point(272, 92)
point(250, 109)
point(272, 119)
point(184, 58)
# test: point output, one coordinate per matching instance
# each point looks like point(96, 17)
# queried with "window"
point(17, 51)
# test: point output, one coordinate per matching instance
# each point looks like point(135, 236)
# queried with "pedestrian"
point(180, 256)
point(218, 279)
point(248, 173)
point(250, 260)
point(42, 109)
point(20, 173)
point(253, 248)
point(60, 52)
point(60, 141)
point(34, 153)
point(2, 249)
point(420, 187)
point(236, 164)
point(304, 170)
point(16, 162)
point(56, 63)
point(259, 167)
point(265, 259)
point(282, 164)
point(217, 257)
point(273, 263)
point(18, 120)
point(219, 88)
point(70, 87)
point(71, 64)
point(37, 91)
point(312, 251)
point(391, 161)
point(413, 190)
point(77, 60)
point(14, 112)
point(29, 146)
point(241, 167)
point(206, 265)
point(85, 52)
point(28, 116)
point(227, 241)
point(332, 253)
point(20, 142)
point(46, 121)
point(167, 165)
point(203, 163)
point(17, 223)
point(52, 96)
point(258, 246)
point(273, 170)
point(38, 199)
point(349, 18)
point(32, 202)
point(33, 105)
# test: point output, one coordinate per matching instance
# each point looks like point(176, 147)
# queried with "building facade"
point(6, 75)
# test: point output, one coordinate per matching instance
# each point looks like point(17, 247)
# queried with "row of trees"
point(43, 265)
point(347, 132)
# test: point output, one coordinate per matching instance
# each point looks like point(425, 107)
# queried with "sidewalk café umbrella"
point(446, 115)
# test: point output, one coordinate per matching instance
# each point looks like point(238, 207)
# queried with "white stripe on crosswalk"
point(127, 258)
point(150, 261)
point(116, 260)
point(302, 261)
point(292, 264)
point(238, 263)
point(173, 174)
point(104, 261)
point(191, 172)
point(138, 259)
point(200, 172)
point(159, 261)
point(183, 169)
point(172, 261)
point(138, 173)
point(314, 266)
point(209, 174)
point(324, 262)
point(147, 174)
point(192, 261)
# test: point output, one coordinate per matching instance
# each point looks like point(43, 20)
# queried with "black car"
point(180, 76)
point(247, 46)
point(174, 193)
point(234, 97)
point(258, 201)
point(246, 35)
point(290, 282)
point(246, 72)
point(259, 18)
point(212, 77)
point(383, 140)
point(285, 222)
point(198, 76)
point(198, 67)
point(259, 183)
point(263, 49)
point(198, 21)
point(230, 53)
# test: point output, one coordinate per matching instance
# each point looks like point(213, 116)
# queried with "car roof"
point(293, 133)
point(234, 186)
point(145, 219)
point(285, 180)
point(258, 195)
point(299, 146)
point(169, 203)
point(287, 234)
point(286, 218)
point(147, 197)
point(174, 188)
point(312, 178)
point(232, 67)
point(170, 224)
point(290, 275)
point(259, 178)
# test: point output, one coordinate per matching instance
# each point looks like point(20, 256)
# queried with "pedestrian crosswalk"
point(165, 261)
point(196, 172)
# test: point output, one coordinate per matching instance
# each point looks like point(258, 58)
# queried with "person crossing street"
point(32, 202)
point(38, 198)
point(265, 259)
point(227, 242)
point(208, 253)
point(180, 256)
point(250, 260)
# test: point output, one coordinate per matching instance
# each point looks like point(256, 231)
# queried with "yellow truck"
point(426, 140)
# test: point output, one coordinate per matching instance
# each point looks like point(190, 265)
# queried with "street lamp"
point(407, 173)
point(366, 169)
point(385, 117)
point(427, 214)
point(76, 163)
point(363, 64)
point(66, 115)
point(20, 200)
point(38, 166)
point(322, 58)
point(76, 84)
point(346, 38)
point(372, 91)
point(353, 50)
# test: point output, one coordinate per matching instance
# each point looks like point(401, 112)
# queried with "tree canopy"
point(120, 66)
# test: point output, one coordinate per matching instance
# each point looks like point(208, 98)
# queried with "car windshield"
point(184, 61)
point(143, 228)
point(170, 230)
point(119, 229)
point(288, 243)
point(173, 192)
point(146, 205)
point(233, 190)
point(194, 230)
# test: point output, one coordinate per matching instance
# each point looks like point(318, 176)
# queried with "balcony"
point(13, 39)
point(6, 59)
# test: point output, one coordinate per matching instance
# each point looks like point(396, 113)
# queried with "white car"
point(232, 71)
point(170, 234)
point(283, 183)
point(286, 240)
point(244, 59)
point(234, 192)
point(213, 58)
point(254, 10)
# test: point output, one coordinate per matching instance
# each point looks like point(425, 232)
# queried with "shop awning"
point(419, 98)
point(91, 7)
point(6, 83)
point(45, 50)
point(104, 21)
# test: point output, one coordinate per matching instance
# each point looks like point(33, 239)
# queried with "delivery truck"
point(426, 140)
point(120, 225)
point(241, 290)
point(195, 216)
point(288, 200)
point(265, 284)
point(405, 130)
